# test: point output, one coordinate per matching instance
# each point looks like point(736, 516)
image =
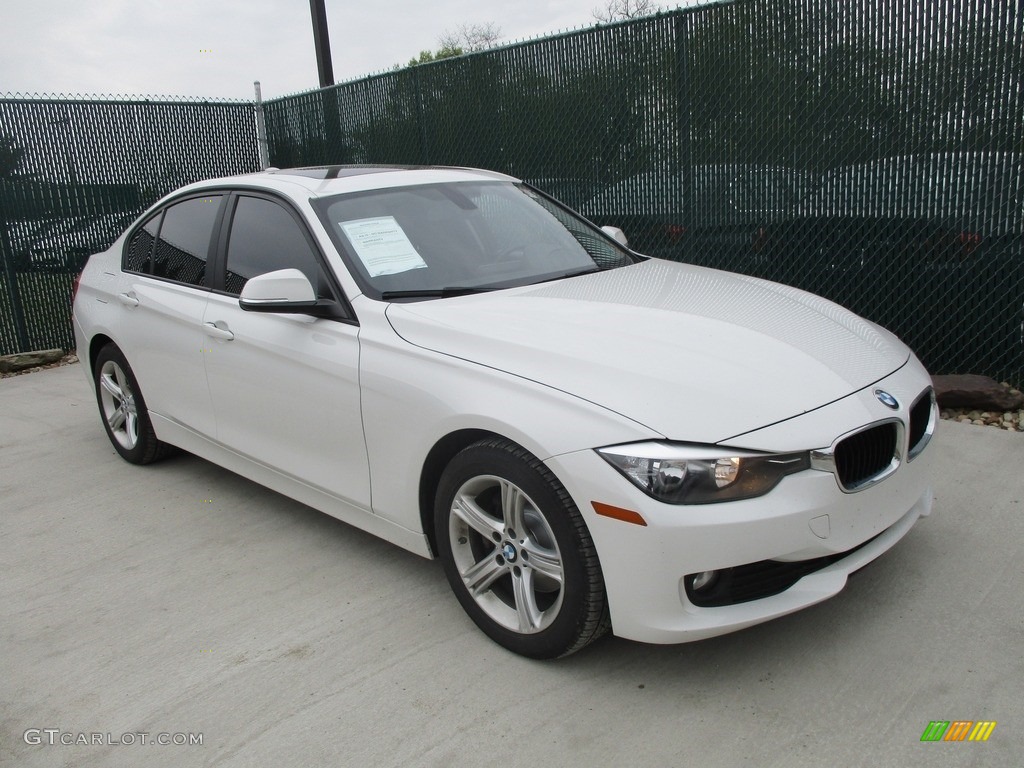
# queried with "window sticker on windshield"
point(382, 246)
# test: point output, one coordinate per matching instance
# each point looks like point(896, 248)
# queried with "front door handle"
point(217, 332)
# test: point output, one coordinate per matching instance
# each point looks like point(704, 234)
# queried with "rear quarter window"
point(138, 252)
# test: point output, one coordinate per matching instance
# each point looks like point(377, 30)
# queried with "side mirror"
point(286, 290)
point(617, 235)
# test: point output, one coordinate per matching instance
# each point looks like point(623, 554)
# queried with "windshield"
point(445, 239)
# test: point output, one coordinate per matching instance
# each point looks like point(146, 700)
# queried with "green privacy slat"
point(870, 152)
point(74, 172)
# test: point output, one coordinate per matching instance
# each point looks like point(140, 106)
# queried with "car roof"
point(319, 181)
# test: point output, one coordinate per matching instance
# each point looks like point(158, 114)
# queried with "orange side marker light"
point(618, 513)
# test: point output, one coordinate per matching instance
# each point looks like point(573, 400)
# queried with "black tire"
point(539, 588)
point(123, 409)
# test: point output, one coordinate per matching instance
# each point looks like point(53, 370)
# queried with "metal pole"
point(322, 41)
point(424, 153)
point(261, 129)
point(684, 125)
point(13, 292)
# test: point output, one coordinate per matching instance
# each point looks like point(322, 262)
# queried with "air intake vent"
point(758, 580)
point(862, 457)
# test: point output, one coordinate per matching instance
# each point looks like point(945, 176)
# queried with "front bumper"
point(807, 516)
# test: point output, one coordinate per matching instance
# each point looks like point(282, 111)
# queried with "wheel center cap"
point(509, 553)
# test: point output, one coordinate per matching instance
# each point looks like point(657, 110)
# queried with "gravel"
point(68, 359)
point(1011, 421)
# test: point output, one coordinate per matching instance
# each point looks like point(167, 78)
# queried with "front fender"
point(412, 398)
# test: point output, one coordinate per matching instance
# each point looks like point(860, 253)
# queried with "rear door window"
point(182, 248)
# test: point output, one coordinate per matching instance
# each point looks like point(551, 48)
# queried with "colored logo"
point(958, 730)
point(886, 399)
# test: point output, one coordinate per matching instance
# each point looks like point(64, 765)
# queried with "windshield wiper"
point(436, 293)
point(572, 273)
point(465, 290)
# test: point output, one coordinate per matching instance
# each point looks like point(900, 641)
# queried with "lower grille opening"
point(754, 581)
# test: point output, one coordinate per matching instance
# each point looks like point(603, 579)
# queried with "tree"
point(623, 10)
point(471, 37)
point(466, 38)
point(425, 57)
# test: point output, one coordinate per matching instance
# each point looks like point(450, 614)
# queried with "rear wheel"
point(517, 552)
point(123, 409)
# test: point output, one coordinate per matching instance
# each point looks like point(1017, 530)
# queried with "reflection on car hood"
point(694, 354)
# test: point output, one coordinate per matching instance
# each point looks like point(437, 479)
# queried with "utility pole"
point(321, 40)
point(333, 149)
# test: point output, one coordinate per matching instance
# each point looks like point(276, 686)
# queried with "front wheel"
point(517, 552)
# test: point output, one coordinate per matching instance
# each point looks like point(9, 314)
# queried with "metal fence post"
point(20, 328)
point(424, 154)
point(684, 117)
point(261, 129)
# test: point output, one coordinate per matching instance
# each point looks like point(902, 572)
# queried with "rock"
point(22, 360)
point(977, 392)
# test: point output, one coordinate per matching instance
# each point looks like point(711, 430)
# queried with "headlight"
point(696, 474)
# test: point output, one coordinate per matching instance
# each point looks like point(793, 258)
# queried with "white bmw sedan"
point(588, 439)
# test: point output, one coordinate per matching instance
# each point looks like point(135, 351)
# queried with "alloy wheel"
point(118, 403)
point(506, 554)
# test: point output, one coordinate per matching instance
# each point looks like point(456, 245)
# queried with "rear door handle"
point(218, 333)
point(128, 299)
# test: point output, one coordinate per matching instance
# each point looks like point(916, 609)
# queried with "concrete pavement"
point(181, 599)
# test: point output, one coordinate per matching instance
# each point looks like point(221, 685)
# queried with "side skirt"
point(364, 519)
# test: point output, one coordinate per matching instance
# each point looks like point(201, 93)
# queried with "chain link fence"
point(870, 152)
point(75, 172)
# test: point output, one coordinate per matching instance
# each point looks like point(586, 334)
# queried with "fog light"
point(703, 580)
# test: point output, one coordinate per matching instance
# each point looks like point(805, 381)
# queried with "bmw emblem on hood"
point(886, 399)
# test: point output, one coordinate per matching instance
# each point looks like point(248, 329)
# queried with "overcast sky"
point(216, 48)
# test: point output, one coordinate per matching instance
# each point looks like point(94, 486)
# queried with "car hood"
point(694, 354)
